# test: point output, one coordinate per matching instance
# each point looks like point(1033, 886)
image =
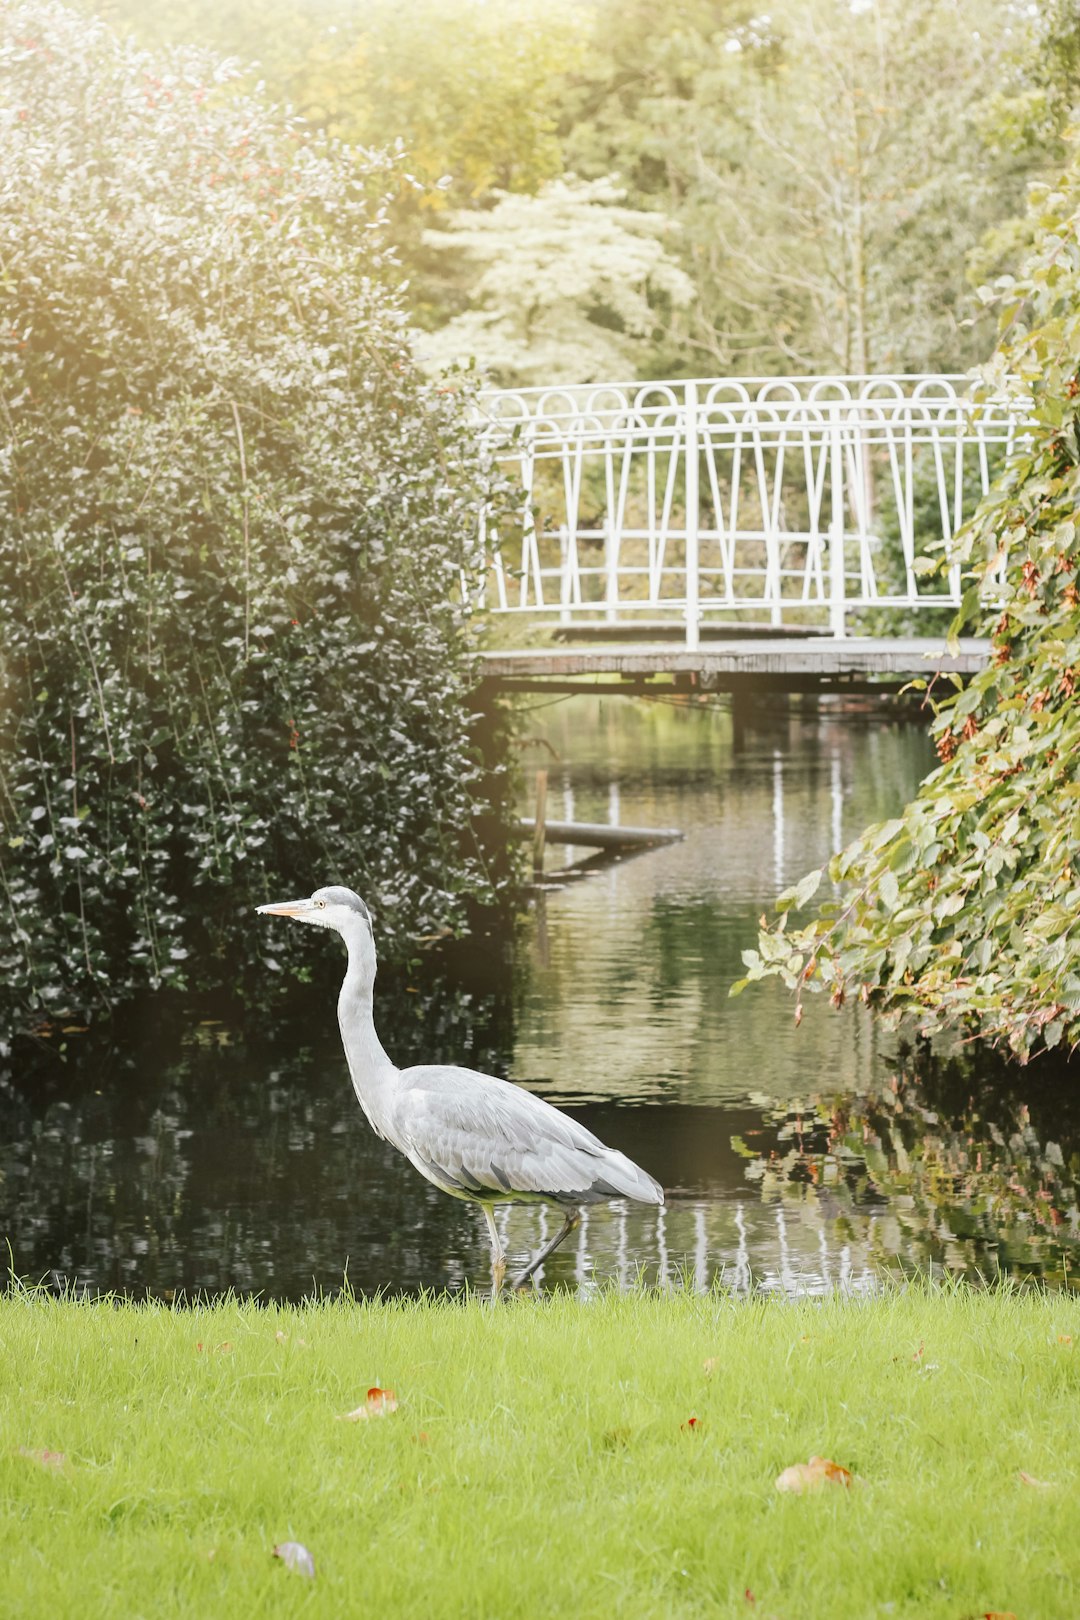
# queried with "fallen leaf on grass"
point(379, 1403)
point(710, 1365)
point(1064, 1338)
point(749, 1596)
point(281, 1337)
point(693, 1425)
point(294, 1555)
point(214, 1349)
point(55, 1460)
point(1029, 1479)
point(812, 1475)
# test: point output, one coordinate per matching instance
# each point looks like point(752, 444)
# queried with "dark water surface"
point(794, 1160)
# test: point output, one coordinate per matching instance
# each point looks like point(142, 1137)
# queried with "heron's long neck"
point(374, 1076)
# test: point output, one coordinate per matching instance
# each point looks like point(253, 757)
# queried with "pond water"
point(795, 1160)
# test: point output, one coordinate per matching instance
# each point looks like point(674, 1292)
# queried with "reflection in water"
point(629, 1000)
point(217, 1160)
point(936, 1171)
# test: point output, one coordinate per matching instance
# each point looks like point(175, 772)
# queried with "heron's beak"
point(285, 908)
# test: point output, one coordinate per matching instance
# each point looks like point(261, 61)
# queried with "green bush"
point(966, 908)
point(235, 658)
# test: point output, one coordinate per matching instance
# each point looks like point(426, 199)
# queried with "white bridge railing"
point(793, 500)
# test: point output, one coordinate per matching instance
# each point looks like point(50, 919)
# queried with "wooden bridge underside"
point(853, 665)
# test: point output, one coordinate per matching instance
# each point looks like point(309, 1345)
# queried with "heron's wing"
point(480, 1137)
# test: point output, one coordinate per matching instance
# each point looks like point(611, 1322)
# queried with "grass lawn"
point(541, 1461)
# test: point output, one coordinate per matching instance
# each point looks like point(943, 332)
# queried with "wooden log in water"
point(599, 835)
point(540, 821)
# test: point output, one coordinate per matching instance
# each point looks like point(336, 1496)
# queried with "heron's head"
point(334, 907)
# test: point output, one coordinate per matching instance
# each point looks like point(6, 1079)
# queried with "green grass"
point(537, 1464)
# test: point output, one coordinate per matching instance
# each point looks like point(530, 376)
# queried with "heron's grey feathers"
point(486, 1139)
point(472, 1135)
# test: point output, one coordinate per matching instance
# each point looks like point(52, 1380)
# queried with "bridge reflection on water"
point(747, 1248)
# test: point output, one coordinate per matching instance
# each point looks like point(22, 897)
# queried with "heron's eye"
point(321, 904)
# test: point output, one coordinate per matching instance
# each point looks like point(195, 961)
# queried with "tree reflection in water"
point(968, 1166)
point(195, 1162)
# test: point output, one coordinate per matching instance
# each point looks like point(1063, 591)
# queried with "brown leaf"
point(379, 1403)
point(54, 1460)
point(1037, 1484)
point(1064, 1338)
point(812, 1475)
point(294, 1555)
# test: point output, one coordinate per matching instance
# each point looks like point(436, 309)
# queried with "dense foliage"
point(235, 660)
point(472, 88)
point(822, 171)
point(967, 906)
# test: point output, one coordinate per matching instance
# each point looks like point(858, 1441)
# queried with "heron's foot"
point(573, 1218)
point(498, 1273)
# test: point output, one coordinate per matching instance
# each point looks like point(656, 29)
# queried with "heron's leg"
point(573, 1217)
point(498, 1258)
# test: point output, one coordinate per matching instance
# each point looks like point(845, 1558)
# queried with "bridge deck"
point(810, 664)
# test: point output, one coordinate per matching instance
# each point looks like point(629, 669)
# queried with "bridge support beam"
point(837, 581)
point(693, 512)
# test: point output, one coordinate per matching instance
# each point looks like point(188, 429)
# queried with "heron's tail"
point(619, 1177)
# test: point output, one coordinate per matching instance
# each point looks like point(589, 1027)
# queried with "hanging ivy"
point(236, 661)
point(965, 909)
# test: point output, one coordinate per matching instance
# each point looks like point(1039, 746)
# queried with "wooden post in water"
point(540, 829)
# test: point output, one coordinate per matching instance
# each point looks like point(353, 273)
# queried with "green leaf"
point(807, 887)
point(885, 833)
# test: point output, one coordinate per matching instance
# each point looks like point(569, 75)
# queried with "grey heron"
point(476, 1137)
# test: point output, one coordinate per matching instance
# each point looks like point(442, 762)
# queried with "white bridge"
point(805, 505)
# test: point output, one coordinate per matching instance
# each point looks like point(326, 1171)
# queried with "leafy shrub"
point(966, 908)
point(235, 658)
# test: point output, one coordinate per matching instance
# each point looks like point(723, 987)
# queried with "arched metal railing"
point(793, 500)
